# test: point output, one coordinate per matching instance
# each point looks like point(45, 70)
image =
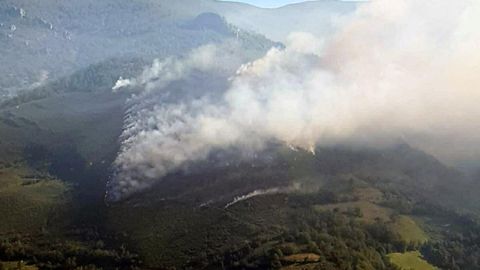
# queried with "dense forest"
point(267, 232)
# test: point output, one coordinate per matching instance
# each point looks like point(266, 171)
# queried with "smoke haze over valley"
point(201, 134)
point(380, 90)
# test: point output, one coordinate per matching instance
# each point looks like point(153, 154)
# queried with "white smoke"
point(42, 78)
point(255, 193)
point(400, 68)
point(122, 83)
point(262, 192)
point(160, 134)
point(207, 58)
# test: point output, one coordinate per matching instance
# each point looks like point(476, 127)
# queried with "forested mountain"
point(78, 78)
point(337, 208)
point(40, 45)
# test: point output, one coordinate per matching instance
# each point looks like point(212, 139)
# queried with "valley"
point(217, 135)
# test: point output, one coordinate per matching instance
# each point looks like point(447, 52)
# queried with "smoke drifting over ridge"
point(398, 69)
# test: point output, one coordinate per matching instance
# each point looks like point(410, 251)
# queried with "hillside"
point(85, 80)
point(44, 42)
point(298, 196)
point(340, 207)
point(40, 48)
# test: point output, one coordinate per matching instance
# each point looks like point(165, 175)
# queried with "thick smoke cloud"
point(161, 126)
point(398, 70)
point(412, 65)
point(208, 58)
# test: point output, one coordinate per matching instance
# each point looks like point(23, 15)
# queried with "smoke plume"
point(400, 69)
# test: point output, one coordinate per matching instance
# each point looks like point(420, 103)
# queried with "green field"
point(28, 201)
point(408, 229)
point(16, 266)
point(367, 210)
point(410, 261)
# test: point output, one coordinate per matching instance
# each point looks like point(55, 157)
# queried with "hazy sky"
point(269, 3)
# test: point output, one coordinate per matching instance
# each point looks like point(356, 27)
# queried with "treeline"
point(340, 242)
point(44, 252)
point(337, 240)
point(95, 78)
point(459, 245)
point(333, 240)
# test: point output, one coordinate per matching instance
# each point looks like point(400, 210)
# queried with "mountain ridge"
point(78, 34)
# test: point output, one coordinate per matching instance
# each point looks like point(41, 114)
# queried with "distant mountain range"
point(41, 41)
